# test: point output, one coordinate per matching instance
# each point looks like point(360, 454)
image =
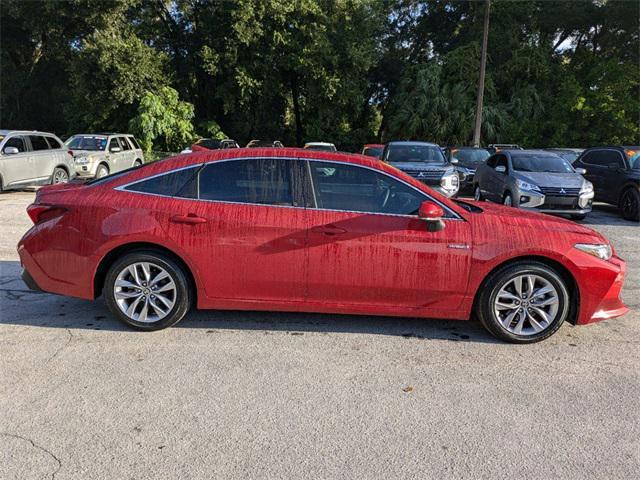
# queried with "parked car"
point(467, 160)
point(534, 179)
point(496, 147)
point(569, 154)
point(344, 233)
point(265, 144)
point(373, 150)
point(33, 158)
point(615, 174)
point(321, 146)
point(211, 144)
point(100, 154)
point(424, 162)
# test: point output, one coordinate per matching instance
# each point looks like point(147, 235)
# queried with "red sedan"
point(299, 230)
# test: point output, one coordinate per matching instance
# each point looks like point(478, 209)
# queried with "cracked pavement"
point(274, 395)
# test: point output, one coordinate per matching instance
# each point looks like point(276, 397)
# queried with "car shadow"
point(23, 307)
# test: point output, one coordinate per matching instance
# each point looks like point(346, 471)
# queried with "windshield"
point(372, 152)
point(87, 142)
point(474, 156)
point(415, 153)
point(540, 162)
point(568, 156)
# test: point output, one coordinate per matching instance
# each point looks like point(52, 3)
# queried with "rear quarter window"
point(179, 183)
point(53, 143)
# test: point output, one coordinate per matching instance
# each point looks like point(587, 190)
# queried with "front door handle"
point(329, 230)
point(190, 219)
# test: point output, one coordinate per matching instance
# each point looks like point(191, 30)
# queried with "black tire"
point(477, 193)
point(484, 306)
point(183, 291)
point(137, 163)
point(630, 204)
point(102, 171)
point(579, 216)
point(59, 175)
point(508, 195)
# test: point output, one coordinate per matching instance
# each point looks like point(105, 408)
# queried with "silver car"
point(98, 155)
point(33, 158)
point(534, 179)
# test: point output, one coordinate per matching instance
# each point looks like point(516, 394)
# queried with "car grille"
point(560, 191)
point(425, 174)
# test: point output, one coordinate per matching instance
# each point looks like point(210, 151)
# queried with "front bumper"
point(568, 205)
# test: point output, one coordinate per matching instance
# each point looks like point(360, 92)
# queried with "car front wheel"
point(59, 175)
point(523, 302)
point(102, 171)
point(477, 194)
point(147, 290)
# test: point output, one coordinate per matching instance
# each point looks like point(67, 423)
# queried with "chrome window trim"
point(308, 162)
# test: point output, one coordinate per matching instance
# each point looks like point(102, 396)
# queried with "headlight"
point(530, 187)
point(450, 182)
point(587, 187)
point(81, 160)
point(600, 251)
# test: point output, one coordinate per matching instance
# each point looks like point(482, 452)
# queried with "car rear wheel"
point(102, 171)
point(630, 205)
point(508, 200)
point(477, 194)
point(59, 175)
point(523, 302)
point(137, 163)
point(147, 290)
point(579, 216)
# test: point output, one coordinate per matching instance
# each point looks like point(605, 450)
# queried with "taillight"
point(40, 213)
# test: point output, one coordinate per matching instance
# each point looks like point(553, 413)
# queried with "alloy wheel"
point(145, 292)
point(60, 176)
point(629, 205)
point(477, 194)
point(526, 304)
point(508, 201)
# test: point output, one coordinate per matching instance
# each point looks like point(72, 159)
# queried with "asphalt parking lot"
point(266, 395)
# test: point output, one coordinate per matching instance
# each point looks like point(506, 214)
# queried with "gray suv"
point(534, 179)
point(33, 158)
point(98, 155)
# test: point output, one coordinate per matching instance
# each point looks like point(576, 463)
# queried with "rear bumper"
point(29, 281)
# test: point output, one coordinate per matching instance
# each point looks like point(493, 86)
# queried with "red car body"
point(264, 257)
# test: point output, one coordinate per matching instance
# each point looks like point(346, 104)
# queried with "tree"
point(163, 121)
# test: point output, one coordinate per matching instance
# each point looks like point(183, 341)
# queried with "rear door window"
point(53, 143)
point(16, 142)
point(134, 142)
point(125, 143)
point(38, 142)
point(265, 181)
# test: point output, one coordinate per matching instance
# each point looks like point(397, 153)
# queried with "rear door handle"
point(329, 230)
point(190, 219)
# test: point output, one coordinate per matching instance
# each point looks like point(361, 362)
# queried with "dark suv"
point(615, 174)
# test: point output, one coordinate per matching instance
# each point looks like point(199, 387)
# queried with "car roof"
point(412, 143)
point(563, 149)
point(373, 145)
point(319, 143)
point(25, 132)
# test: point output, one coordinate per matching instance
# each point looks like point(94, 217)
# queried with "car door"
point(16, 168)
point(42, 158)
point(499, 179)
point(602, 166)
point(367, 247)
point(127, 155)
point(246, 230)
point(112, 155)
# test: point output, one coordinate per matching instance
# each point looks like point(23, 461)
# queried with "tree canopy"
point(559, 72)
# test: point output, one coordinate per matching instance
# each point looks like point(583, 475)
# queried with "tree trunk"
point(483, 66)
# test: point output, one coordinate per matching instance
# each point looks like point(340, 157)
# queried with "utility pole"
point(483, 67)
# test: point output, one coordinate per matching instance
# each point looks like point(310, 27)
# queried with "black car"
point(468, 160)
point(615, 174)
point(425, 162)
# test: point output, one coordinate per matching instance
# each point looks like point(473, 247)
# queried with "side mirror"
point(454, 161)
point(501, 169)
point(431, 213)
point(115, 149)
point(581, 171)
point(10, 150)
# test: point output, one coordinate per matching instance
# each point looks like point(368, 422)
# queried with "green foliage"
point(559, 72)
point(163, 121)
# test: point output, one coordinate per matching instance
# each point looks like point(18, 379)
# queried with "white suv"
point(33, 158)
point(100, 154)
